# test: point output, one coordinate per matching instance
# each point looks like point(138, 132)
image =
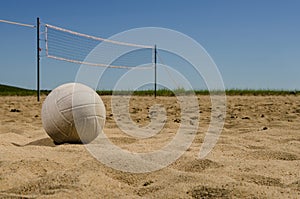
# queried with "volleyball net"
point(70, 46)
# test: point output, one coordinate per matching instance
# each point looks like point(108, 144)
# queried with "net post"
point(155, 71)
point(38, 57)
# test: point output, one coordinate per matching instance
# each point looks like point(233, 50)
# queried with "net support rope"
point(17, 23)
point(167, 70)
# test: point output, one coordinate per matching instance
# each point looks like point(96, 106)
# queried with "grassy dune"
point(6, 90)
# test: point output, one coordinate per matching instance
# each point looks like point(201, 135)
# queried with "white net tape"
point(67, 45)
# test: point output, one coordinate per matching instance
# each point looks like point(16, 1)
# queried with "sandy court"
point(257, 155)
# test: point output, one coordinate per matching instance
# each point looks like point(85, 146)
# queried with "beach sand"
point(256, 156)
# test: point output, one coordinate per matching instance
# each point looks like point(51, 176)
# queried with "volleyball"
point(73, 113)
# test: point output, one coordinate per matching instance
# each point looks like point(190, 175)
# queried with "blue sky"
point(255, 44)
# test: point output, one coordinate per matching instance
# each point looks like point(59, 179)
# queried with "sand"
point(256, 156)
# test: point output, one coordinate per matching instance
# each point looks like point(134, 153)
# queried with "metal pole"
point(38, 57)
point(155, 71)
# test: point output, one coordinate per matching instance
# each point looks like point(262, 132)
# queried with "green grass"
point(16, 91)
point(229, 92)
point(261, 92)
point(6, 90)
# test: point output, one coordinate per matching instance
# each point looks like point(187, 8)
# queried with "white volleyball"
point(73, 113)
